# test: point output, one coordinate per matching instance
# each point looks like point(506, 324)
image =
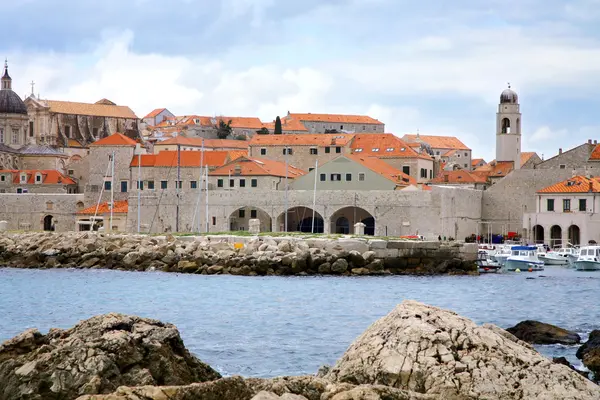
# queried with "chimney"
point(237, 170)
point(589, 141)
point(590, 186)
point(445, 177)
point(595, 142)
point(560, 151)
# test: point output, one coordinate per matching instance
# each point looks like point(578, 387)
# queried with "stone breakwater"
point(417, 352)
point(249, 256)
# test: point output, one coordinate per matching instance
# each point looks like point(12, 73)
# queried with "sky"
point(434, 66)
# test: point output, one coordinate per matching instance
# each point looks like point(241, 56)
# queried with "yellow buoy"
point(517, 270)
point(238, 245)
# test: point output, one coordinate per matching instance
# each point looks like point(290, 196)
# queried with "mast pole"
point(112, 190)
point(177, 184)
point(315, 195)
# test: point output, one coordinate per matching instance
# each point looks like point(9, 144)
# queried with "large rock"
point(432, 351)
point(541, 333)
point(589, 353)
point(96, 356)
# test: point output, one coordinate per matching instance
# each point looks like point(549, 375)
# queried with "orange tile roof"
point(208, 143)
point(437, 142)
point(119, 208)
point(458, 177)
point(576, 184)
point(74, 143)
point(100, 109)
point(495, 169)
point(476, 161)
point(337, 118)
point(526, 156)
point(595, 156)
point(335, 139)
point(49, 176)
point(384, 169)
point(383, 145)
point(154, 113)
point(287, 125)
point(116, 139)
point(235, 154)
point(242, 122)
point(258, 167)
point(449, 153)
point(187, 158)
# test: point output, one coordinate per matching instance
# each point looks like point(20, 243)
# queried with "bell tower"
point(508, 128)
point(6, 79)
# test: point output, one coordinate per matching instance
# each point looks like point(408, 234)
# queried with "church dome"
point(11, 103)
point(509, 96)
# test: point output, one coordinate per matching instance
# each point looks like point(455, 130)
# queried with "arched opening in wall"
point(353, 215)
point(574, 235)
point(342, 225)
point(505, 125)
point(239, 220)
point(300, 219)
point(555, 236)
point(538, 234)
point(48, 223)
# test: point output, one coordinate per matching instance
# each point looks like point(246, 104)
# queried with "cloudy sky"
point(436, 66)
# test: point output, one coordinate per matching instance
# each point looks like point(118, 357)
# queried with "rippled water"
point(268, 326)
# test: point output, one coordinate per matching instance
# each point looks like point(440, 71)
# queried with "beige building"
point(36, 181)
point(449, 150)
point(13, 122)
point(330, 123)
point(53, 122)
point(199, 144)
point(196, 126)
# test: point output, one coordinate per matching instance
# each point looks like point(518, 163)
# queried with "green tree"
point(263, 131)
point(241, 137)
point(224, 129)
point(278, 130)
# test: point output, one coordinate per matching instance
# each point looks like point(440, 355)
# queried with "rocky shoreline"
point(416, 352)
point(247, 256)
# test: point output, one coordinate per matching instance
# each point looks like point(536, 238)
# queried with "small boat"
point(589, 259)
point(554, 257)
point(502, 254)
point(486, 265)
point(523, 258)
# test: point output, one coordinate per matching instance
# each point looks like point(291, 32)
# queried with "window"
point(38, 178)
point(310, 169)
point(30, 128)
point(406, 169)
point(15, 136)
point(437, 153)
point(231, 182)
point(178, 184)
point(19, 190)
point(71, 172)
point(361, 176)
point(139, 185)
point(566, 205)
point(123, 186)
point(357, 150)
point(254, 183)
point(327, 150)
point(219, 182)
point(338, 149)
point(336, 177)
point(193, 185)
point(389, 149)
point(582, 204)
point(288, 150)
point(314, 151)
point(375, 150)
point(263, 152)
point(107, 185)
point(364, 128)
point(242, 213)
point(150, 185)
point(423, 173)
point(68, 131)
point(214, 220)
point(164, 184)
point(23, 178)
point(430, 174)
point(341, 127)
point(466, 166)
point(466, 154)
point(323, 177)
point(1, 135)
point(458, 155)
point(242, 183)
point(550, 204)
point(2, 178)
point(562, 166)
point(348, 177)
point(253, 213)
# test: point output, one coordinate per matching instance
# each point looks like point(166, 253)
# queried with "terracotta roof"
point(384, 169)
point(335, 139)
point(595, 156)
point(96, 110)
point(526, 156)
point(154, 113)
point(476, 161)
point(235, 154)
point(495, 169)
point(337, 118)
point(49, 177)
point(257, 167)
point(458, 177)
point(187, 158)
point(116, 139)
point(243, 122)
point(119, 208)
point(438, 142)
point(74, 143)
point(449, 153)
point(383, 145)
point(287, 125)
point(208, 143)
point(576, 184)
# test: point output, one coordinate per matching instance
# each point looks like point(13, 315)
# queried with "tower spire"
point(6, 80)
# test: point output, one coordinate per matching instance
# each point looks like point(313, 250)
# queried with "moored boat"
point(523, 258)
point(554, 257)
point(486, 265)
point(589, 259)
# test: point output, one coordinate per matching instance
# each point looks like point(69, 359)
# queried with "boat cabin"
point(524, 251)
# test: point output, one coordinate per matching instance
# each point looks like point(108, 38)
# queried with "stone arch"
point(342, 225)
point(48, 223)
point(574, 235)
point(300, 219)
point(555, 236)
point(538, 234)
point(239, 219)
point(354, 215)
point(505, 125)
point(79, 205)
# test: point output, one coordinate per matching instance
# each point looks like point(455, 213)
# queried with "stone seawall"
point(236, 255)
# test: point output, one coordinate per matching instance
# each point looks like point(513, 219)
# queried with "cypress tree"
point(278, 130)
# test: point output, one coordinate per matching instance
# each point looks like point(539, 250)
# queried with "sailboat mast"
point(206, 198)
point(200, 185)
point(315, 195)
point(177, 184)
point(112, 190)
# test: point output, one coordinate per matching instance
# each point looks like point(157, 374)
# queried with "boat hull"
point(554, 261)
point(587, 265)
point(523, 265)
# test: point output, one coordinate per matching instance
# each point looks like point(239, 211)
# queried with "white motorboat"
point(502, 254)
point(486, 265)
point(589, 259)
point(559, 257)
point(523, 258)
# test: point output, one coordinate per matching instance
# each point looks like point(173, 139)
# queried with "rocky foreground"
point(416, 352)
point(236, 256)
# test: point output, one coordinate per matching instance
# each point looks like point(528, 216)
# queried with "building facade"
point(332, 123)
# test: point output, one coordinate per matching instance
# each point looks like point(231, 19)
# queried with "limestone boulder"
point(97, 356)
point(339, 266)
point(536, 332)
point(432, 351)
point(589, 353)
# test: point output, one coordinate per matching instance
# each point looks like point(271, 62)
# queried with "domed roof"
point(11, 103)
point(509, 96)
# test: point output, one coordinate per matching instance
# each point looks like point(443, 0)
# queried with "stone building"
point(53, 122)
point(329, 123)
point(198, 144)
point(460, 178)
point(449, 150)
point(508, 128)
point(98, 217)
point(157, 116)
point(195, 126)
point(13, 123)
point(36, 181)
